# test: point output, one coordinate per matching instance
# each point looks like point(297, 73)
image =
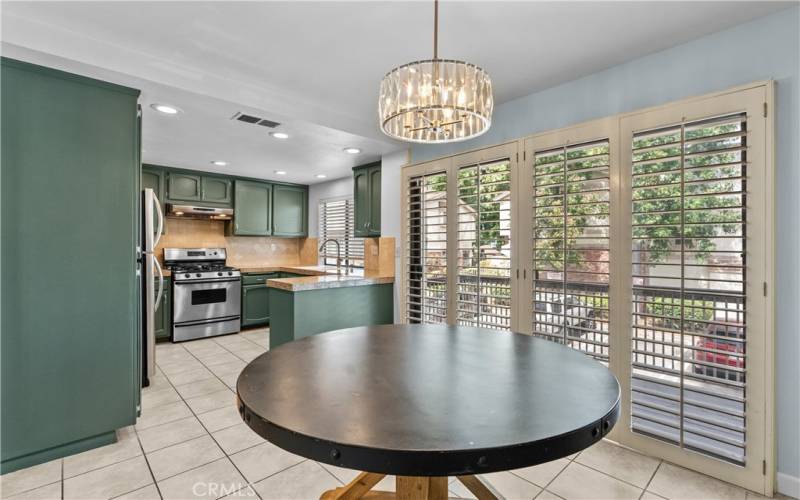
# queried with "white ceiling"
point(316, 66)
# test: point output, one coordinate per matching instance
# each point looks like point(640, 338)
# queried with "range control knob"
point(219, 274)
point(187, 275)
point(199, 275)
point(230, 273)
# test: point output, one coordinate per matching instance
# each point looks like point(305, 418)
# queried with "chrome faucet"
point(338, 254)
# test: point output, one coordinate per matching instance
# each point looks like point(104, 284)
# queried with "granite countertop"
point(307, 270)
point(330, 280)
point(315, 277)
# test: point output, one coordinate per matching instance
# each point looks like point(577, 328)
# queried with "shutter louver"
point(426, 249)
point(571, 211)
point(484, 245)
point(336, 221)
point(688, 278)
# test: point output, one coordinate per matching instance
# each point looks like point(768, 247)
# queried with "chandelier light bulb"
point(435, 100)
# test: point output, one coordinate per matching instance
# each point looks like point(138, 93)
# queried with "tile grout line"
point(149, 468)
point(209, 433)
point(334, 475)
point(612, 477)
point(644, 490)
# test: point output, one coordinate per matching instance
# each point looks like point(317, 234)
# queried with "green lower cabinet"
point(255, 299)
point(163, 317)
point(308, 312)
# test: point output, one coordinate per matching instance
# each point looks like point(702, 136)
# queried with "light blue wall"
point(767, 48)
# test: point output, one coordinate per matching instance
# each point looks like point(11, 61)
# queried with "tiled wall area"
point(242, 250)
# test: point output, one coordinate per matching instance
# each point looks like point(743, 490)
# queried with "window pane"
point(571, 246)
point(426, 299)
point(484, 245)
point(336, 221)
point(689, 330)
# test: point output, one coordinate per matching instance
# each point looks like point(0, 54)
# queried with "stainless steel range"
point(206, 294)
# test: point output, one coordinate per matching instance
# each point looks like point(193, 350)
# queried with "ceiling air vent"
point(255, 120)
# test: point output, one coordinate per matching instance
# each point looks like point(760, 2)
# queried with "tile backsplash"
point(242, 250)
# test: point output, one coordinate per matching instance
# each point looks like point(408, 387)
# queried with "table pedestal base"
point(408, 488)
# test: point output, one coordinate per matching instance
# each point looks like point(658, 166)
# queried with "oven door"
point(206, 299)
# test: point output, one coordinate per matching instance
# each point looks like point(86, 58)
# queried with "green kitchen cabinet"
point(194, 187)
point(252, 212)
point(70, 344)
point(153, 178)
point(216, 190)
point(289, 210)
point(255, 298)
point(163, 316)
point(367, 196)
point(184, 187)
point(298, 314)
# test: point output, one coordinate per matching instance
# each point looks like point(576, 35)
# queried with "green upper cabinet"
point(252, 212)
point(367, 194)
point(374, 222)
point(184, 187)
point(289, 210)
point(193, 187)
point(216, 190)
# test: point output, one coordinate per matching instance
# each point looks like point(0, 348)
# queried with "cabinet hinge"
point(524, 156)
point(764, 467)
point(765, 289)
point(517, 156)
point(765, 110)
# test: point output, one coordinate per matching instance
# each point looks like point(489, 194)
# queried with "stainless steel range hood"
point(199, 212)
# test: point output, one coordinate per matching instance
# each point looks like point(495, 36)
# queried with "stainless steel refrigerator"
point(152, 224)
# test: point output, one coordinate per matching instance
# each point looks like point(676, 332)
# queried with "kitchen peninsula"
point(323, 300)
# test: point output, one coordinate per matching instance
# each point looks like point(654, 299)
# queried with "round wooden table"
point(424, 402)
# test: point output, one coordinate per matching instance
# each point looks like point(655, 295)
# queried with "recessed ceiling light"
point(280, 135)
point(165, 108)
point(219, 163)
point(352, 151)
point(280, 172)
point(320, 176)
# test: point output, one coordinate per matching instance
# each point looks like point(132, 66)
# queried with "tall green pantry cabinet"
point(70, 338)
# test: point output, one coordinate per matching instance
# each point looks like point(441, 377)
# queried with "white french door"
point(695, 201)
point(643, 240)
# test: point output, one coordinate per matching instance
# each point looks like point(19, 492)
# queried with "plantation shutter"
point(571, 210)
point(688, 383)
point(336, 221)
point(426, 249)
point(484, 245)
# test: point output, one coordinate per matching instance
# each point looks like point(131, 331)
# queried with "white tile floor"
point(190, 442)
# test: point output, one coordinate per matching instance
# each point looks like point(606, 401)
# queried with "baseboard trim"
point(788, 485)
point(40, 457)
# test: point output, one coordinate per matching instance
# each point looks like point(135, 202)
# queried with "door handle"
point(160, 221)
point(160, 283)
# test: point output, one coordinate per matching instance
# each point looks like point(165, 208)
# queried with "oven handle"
point(210, 280)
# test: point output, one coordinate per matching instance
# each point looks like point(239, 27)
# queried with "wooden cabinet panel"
point(184, 187)
point(361, 201)
point(289, 211)
point(252, 214)
point(255, 305)
point(70, 180)
point(374, 222)
point(216, 190)
point(367, 196)
point(163, 316)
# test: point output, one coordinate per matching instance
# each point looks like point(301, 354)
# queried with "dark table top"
point(425, 400)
